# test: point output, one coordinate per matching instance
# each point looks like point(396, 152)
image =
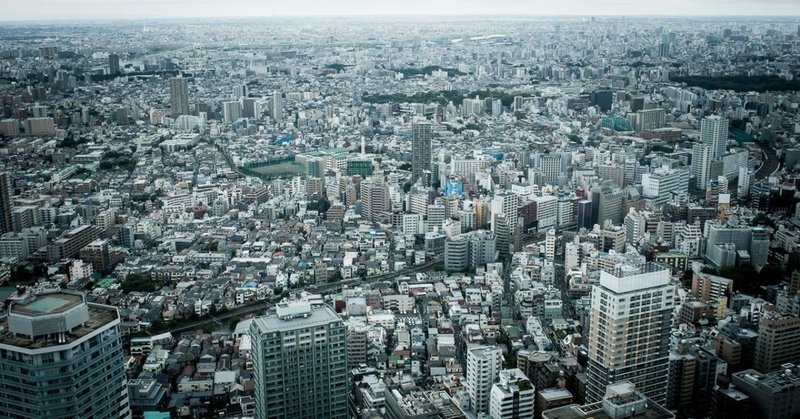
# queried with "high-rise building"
point(5, 203)
point(231, 111)
point(375, 200)
point(456, 253)
point(692, 376)
point(630, 329)
point(239, 91)
point(357, 344)
point(276, 107)
point(664, 185)
point(113, 64)
point(300, 362)
point(550, 245)
point(512, 397)
point(179, 95)
point(714, 133)
point(702, 154)
point(61, 357)
point(483, 366)
point(743, 185)
point(421, 134)
point(777, 343)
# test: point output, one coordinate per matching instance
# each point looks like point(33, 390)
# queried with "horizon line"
point(402, 15)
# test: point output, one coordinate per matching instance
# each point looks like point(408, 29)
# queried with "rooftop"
point(596, 411)
point(47, 304)
point(99, 317)
point(314, 317)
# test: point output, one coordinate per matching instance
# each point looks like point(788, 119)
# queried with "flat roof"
point(58, 302)
point(99, 317)
point(574, 411)
point(316, 317)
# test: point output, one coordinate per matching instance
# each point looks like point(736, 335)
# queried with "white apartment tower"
point(714, 133)
point(630, 328)
point(483, 366)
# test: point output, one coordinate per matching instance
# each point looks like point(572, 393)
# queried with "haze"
point(130, 9)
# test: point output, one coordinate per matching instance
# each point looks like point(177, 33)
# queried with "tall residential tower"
point(630, 328)
point(61, 357)
point(300, 362)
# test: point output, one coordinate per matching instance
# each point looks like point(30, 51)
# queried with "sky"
point(151, 9)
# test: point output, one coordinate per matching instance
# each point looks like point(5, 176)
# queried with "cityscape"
point(425, 215)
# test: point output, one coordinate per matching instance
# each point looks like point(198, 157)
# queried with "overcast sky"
point(140, 9)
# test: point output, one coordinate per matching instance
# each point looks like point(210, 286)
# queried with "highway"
point(769, 165)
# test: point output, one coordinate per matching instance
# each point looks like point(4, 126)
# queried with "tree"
point(137, 282)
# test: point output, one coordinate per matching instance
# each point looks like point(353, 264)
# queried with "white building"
point(664, 185)
point(630, 329)
point(483, 366)
point(513, 396)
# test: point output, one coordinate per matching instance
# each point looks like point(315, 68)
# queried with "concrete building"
point(621, 401)
point(512, 397)
point(300, 362)
point(714, 133)
point(775, 395)
point(777, 343)
point(80, 345)
point(664, 185)
point(179, 95)
point(375, 200)
point(630, 327)
point(6, 206)
point(483, 366)
point(421, 134)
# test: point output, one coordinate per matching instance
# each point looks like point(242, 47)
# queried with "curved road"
point(769, 165)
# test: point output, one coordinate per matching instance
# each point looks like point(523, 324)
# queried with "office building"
point(714, 133)
point(61, 357)
point(421, 134)
point(299, 362)
point(621, 401)
point(483, 366)
point(6, 206)
point(707, 287)
point(231, 111)
point(777, 343)
point(774, 395)
point(113, 64)
point(179, 95)
point(375, 200)
point(630, 327)
point(456, 253)
point(702, 155)
point(512, 397)
point(276, 107)
point(692, 377)
point(664, 185)
point(744, 182)
point(239, 91)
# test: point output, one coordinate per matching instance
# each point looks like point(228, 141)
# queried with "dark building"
point(113, 64)
point(602, 100)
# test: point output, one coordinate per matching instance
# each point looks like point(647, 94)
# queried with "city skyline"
point(403, 215)
point(60, 10)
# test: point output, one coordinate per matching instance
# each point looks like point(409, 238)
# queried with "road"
point(769, 165)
